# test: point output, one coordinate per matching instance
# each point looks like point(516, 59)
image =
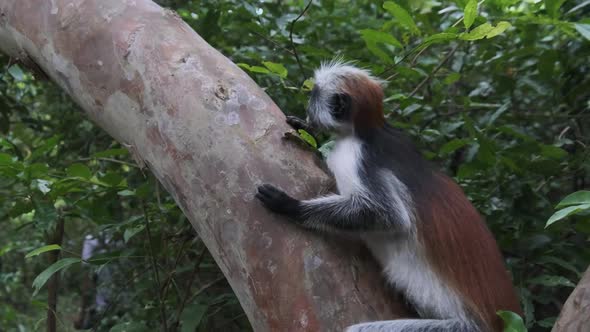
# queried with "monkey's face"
point(344, 98)
point(329, 110)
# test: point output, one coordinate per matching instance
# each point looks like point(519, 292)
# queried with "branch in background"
point(293, 44)
point(155, 269)
point(275, 43)
point(436, 69)
point(187, 294)
point(53, 283)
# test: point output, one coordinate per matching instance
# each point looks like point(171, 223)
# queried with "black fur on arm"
point(334, 212)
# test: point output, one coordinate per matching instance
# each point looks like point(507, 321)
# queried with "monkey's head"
point(345, 99)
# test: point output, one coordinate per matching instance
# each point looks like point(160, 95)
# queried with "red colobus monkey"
point(429, 239)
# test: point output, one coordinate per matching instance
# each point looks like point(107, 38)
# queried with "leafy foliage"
point(495, 92)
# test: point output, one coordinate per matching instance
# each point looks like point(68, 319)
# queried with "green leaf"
point(566, 212)
point(479, 32)
point(308, 85)
point(370, 35)
point(42, 278)
point(552, 7)
point(111, 153)
point(512, 321)
point(373, 37)
point(546, 260)
point(403, 17)
point(36, 170)
point(467, 171)
point(308, 138)
point(126, 193)
point(437, 39)
point(583, 29)
point(440, 38)
point(129, 327)
point(553, 152)
point(5, 159)
point(254, 69)
point(192, 316)
point(79, 171)
point(547, 323)
point(276, 68)
point(43, 249)
point(131, 232)
point(498, 29)
point(453, 145)
point(373, 48)
point(47, 147)
point(577, 198)
point(45, 213)
point(551, 281)
point(16, 72)
point(503, 108)
point(470, 13)
point(451, 78)
point(112, 179)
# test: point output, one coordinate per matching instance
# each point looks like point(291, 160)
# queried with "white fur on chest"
point(344, 161)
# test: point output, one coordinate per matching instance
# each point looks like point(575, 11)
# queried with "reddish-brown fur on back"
point(367, 102)
point(462, 249)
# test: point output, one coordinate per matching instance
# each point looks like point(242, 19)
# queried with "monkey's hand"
point(297, 123)
point(278, 201)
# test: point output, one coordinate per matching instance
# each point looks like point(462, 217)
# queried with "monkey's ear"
point(340, 106)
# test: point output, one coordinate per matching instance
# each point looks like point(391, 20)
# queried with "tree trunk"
point(210, 135)
point(575, 314)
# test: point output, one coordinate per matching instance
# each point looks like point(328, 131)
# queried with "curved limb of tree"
point(575, 314)
point(210, 135)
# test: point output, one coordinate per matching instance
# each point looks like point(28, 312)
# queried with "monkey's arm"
point(334, 212)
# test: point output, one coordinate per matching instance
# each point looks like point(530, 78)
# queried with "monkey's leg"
point(415, 325)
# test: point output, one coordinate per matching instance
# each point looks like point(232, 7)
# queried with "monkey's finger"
point(261, 197)
point(267, 201)
point(296, 122)
point(269, 190)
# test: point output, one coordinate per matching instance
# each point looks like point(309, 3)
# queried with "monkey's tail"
point(415, 325)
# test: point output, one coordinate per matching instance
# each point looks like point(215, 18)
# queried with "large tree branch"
point(575, 314)
point(210, 135)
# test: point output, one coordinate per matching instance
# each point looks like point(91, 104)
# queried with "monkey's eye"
point(340, 106)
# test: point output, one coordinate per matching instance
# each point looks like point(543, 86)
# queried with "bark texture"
point(575, 314)
point(210, 135)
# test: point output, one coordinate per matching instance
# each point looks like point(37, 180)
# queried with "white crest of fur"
point(328, 79)
point(330, 74)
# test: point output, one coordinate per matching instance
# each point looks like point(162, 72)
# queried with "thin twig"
point(413, 62)
point(109, 160)
point(173, 270)
point(291, 39)
point(191, 279)
point(438, 67)
point(207, 285)
point(155, 269)
point(53, 283)
point(273, 42)
point(118, 294)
